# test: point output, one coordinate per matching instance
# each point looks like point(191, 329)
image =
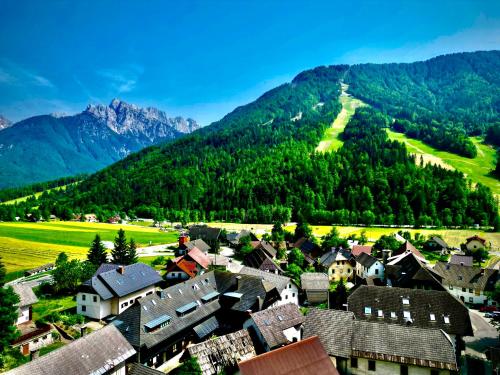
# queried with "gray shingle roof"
point(95, 353)
point(109, 283)
point(334, 328)
point(259, 259)
point(204, 329)
point(199, 243)
point(332, 256)
point(366, 260)
point(343, 336)
point(281, 282)
point(225, 351)
point(314, 281)
point(465, 260)
point(272, 322)
point(26, 295)
point(422, 303)
point(440, 242)
point(204, 232)
point(139, 369)
point(477, 278)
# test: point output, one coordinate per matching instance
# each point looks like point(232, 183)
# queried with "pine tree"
point(97, 252)
point(8, 312)
point(132, 252)
point(120, 250)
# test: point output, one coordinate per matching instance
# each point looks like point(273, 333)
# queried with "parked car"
point(488, 308)
point(494, 315)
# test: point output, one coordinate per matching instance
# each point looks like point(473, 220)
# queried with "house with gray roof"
point(436, 243)
point(223, 353)
point(209, 235)
point(470, 284)
point(27, 298)
point(369, 266)
point(361, 347)
point(462, 260)
point(316, 286)
point(286, 286)
point(162, 324)
point(276, 326)
point(104, 351)
point(114, 288)
point(260, 259)
point(338, 264)
point(412, 307)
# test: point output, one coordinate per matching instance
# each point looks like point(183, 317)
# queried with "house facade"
point(474, 243)
point(338, 264)
point(369, 266)
point(195, 262)
point(113, 289)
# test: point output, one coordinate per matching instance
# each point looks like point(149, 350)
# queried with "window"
point(403, 370)
point(35, 341)
point(380, 314)
point(406, 315)
point(354, 363)
point(371, 366)
point(84, 297)
point(464, 290)
point(286, 297)
point(376, 271)
point(368, 310)
point(94, 298)
point(393, 315)
point(290, 286)
point(446, 319)
point(432, 317)
point(406, 301)
point(84, 308)
point(293, 295)
point(471, 299)
point(470, 290)
point(451, 287)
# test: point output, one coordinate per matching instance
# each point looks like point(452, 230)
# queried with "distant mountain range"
point(47, 147)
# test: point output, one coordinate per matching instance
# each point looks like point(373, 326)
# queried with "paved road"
point(485, 335)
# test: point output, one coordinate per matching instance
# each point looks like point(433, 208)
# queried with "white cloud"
point(122, 80)
point(13, 74)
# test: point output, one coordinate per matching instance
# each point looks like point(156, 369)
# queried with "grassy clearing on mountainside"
point(476, 169)
point(36, 195)
point(331, 140)
point(28, 245)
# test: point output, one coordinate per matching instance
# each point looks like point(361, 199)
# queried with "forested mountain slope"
point(440, 101)
point(258, 164)
point(47, 147)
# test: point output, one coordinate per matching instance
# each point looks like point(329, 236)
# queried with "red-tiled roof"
point(199, 257)
point(477, 238)
point(359, 249)
point(184, 265)
point(408, 247)
point(306, 357)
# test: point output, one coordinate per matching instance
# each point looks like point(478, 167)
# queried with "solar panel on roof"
point(187, 308)
point(233, 295)
point(208, 297)
point(157, 322)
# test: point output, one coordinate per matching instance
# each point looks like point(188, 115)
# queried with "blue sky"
point(203, 58)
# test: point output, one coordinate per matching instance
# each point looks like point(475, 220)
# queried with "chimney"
point(385, 256)
point(121, 270)
point(238, 280)
point(34, 354)
point(83, 330)
point(183, 238)
point(482, 272)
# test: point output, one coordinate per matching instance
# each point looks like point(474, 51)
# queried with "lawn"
point(48, 305)
point(476, 169)
point(25, 198)
point(331, 140)
point(50, 348)
point(27, 245)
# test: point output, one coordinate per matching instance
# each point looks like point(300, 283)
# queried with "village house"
point(104, 351)
point(276, 326)
point(234, 238)
point(316, 286)
point(407, 270)
point(260, 260)
point(306, 357)
point(187, 266)
point(90, 218)
point(338, 264)
point(369, 266)
point(163, 324)
point(287, 288)
point(310, 250)
point(407, 247)
point(114, 288)
point(462, 260)
point(266, 247)
point(185, 245)
point(361, 347)
point(27, 299)
point(437, 244)
point(470, 284)
point(209, 235)
point(474, 243)
point(222, 354)
point(412, 307)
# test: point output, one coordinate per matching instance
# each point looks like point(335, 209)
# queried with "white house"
point(367, 265)
point(114, 288)
point(27, 298)
point(470, 284)
point(288, 289)
point(475, 242)
point(276, 326)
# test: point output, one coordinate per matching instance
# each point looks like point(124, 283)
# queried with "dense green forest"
point(258, 164)
point(443, 99)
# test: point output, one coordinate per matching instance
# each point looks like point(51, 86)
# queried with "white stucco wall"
point(361, 271)
point(468, 296)
point(292, 334)
point(24, 315)
point(37, 343)
point(288, 295)
point(388, 368)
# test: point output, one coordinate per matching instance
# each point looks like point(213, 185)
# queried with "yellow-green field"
point(454, 237)
point(36, 195)
point(27, 245)
point(331, 140)
point(476, 169)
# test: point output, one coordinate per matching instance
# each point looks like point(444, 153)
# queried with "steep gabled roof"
point(406, 247)
point(476, 278)
point(306, 357)
point(357, 250)
point(272, 322)
point(26, 295)
point(204, 232)
point(183, 265)
point(96, 353)
point(199, 257)
point(199, 243)
point(222, 352)
point(334, 255)
point(281, 282)
point(421, 304)
point(476, 238)
point(439, 241)
point(407, 268)
point(260, 260)
point(366, 260)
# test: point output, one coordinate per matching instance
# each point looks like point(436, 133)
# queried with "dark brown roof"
point(477, 238)
point(223, 352)
point(306, 357)
point(477, 278)
point(260, 260)
point(407, 270)
point(281, 282)
point(96, 353)
point(422, 303)
point(204, 232)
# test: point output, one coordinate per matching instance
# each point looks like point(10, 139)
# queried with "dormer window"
point(446, 319)
point(432, 317)
point(406, 301)
point(380, 313)
point(368, 310)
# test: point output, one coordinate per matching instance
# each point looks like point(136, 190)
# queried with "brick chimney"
point(183, 238)
point(121, 270)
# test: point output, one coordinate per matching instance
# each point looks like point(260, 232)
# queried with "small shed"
point(315, 285)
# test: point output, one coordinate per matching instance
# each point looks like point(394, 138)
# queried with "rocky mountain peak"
point(4, 123)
